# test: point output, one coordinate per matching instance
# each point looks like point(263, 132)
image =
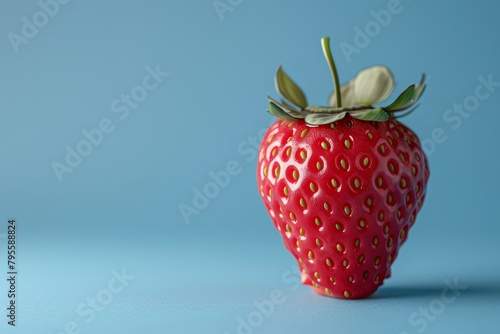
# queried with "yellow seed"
point(265, 171)
point(338, 226)
point(365, 274)
point(302, 232)
point(270, 193)
point(345, 263)
point(377, 261)
point(343, 163)
point(325, 145)
point(413, 170)
point(402, 157)
point(303, 154)
point(332, 279)
point(304, 133)
point(379, 181)
point(382, 149)
point(377, 279)
point(288, 228)
point(356, 183)
point(326, 206)
point(369, 201)
point(402, 234)
point(403, 183)
point(361, 259)
point(386, 229)
point(319, 166)
point(310, 255)
point(340, 248)
point(347, 210)
point(369, 135)
point(389, 260)
point(297, 243)
point(285, 190)
point(261, 156)
point(375, 241)
point(274, 151)
point(295, 175)
point(356, 243)
point(277, 172)
point(389, 242)
point(332, 125)
point(329, 262)
point(312, 186)
point(270, 139)
point(389, 199)
point(328, 292)
point(288, 151)
point(302, 202)
point(389, 140)
point(347, 143)
point(362, 224)
point(317, 221)
point(349, 123)
point(316, 274)
point(290, 124)
point(391, 168)
point(334, 183)
point(366, 161)
point(350, 278)
point(318, 242)
point(398, 214)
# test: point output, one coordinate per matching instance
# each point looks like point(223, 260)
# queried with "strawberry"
point(343, 185)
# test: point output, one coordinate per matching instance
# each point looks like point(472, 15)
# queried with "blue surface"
point(117, 213)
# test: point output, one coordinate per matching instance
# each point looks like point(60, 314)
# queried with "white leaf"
point(347, 95)
point(372, 85)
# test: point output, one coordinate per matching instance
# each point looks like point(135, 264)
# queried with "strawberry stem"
point(325, 43)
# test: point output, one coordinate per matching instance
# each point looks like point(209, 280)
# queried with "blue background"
point(119, 208)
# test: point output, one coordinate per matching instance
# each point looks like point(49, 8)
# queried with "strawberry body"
point(343, 196)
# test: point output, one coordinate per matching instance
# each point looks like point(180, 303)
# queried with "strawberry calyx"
point(356, 98)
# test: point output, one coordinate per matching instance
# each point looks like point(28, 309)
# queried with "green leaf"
point(406, 113)
point(276, 111)
point(320, 119)
point(404, 100)
point(325, 110)
point(284, 108)
point(419, 90)
point(288, 89)
point(377, 115)
point(289, 106)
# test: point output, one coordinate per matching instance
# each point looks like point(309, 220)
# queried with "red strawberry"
point(343, 186)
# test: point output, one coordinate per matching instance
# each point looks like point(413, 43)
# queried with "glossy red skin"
point(327, 271)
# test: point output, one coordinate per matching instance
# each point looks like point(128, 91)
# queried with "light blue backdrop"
point(178, 91)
